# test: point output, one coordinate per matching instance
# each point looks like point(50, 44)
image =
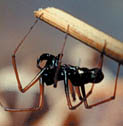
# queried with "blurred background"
point(16, 17)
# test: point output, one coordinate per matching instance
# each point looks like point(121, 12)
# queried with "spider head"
point(96, 75)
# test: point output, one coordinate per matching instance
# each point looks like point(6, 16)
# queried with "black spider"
point(74, 77)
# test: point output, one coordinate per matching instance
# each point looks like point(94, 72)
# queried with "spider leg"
point(77, 89)
point(60, 58)
point(100, 65)
point(72, 90)
point(105, 100)
point(26, 35)
point(41, 99)
point(18, 46)
point(67, 90)
point(90, 91)
point(36, 78)
point(67, 94)
point(14, 61)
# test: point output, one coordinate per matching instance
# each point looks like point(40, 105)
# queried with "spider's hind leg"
point(99, 65)
point(105, 100)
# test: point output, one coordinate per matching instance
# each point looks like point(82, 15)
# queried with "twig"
point(83, 32)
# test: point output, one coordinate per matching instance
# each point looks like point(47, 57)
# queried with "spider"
point(74, 77)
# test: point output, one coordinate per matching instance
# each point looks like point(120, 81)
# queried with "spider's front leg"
point(35, 79)
point(23, 90)
point(40, 104)
point(14, 60)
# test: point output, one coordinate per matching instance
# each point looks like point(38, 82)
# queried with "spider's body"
point(78, 76)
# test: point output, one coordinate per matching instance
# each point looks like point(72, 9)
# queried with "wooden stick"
point(83, 32)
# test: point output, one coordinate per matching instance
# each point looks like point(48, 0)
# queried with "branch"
point(83, 32)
